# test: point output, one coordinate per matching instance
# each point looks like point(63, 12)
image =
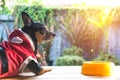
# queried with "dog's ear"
point(26, 19)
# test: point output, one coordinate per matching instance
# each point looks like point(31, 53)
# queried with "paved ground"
point(65, 73)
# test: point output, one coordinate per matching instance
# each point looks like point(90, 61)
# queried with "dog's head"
point(35, 29)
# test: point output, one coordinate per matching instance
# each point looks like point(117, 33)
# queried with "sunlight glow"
point(87, 3)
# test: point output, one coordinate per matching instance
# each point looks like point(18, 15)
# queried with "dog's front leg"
point(36, 68)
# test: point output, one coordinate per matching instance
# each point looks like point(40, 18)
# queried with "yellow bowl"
point(97, 68)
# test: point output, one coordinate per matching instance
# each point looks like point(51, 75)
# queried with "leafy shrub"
point(73, 51)
point(107, 57)
point(37, 13)
point(6, 11)
point(82, 34)
point(71, 57)
point(69, 61)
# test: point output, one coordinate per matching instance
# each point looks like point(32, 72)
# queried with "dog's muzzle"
point(3, 60)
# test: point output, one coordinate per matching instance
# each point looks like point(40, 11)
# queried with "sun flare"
point(110, 3)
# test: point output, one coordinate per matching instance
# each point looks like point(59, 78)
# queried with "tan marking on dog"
point(38, 37)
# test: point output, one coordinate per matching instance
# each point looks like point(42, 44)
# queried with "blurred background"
point(85, 29)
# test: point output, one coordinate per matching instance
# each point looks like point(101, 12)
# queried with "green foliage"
point(37, 13)
point(50, 19)
point(107, 57)
point(82, 34)
point(3, 8)
point(106, 16)
point(74, 25)
point(69, 61)
point(29, 2)
point(73, 51)
point(71, 57)
point(1, 4)
point(6, 11)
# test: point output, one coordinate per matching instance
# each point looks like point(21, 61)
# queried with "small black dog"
point(19, 52)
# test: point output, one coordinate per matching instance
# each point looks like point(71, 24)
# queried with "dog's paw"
point(44, 70)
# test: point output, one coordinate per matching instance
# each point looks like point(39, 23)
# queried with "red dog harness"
point(19, 52)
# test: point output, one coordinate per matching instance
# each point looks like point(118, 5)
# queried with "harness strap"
point(4, 61)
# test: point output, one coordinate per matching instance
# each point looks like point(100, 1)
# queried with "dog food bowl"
point(97, 68)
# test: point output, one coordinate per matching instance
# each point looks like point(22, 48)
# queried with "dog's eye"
point(42, 32)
